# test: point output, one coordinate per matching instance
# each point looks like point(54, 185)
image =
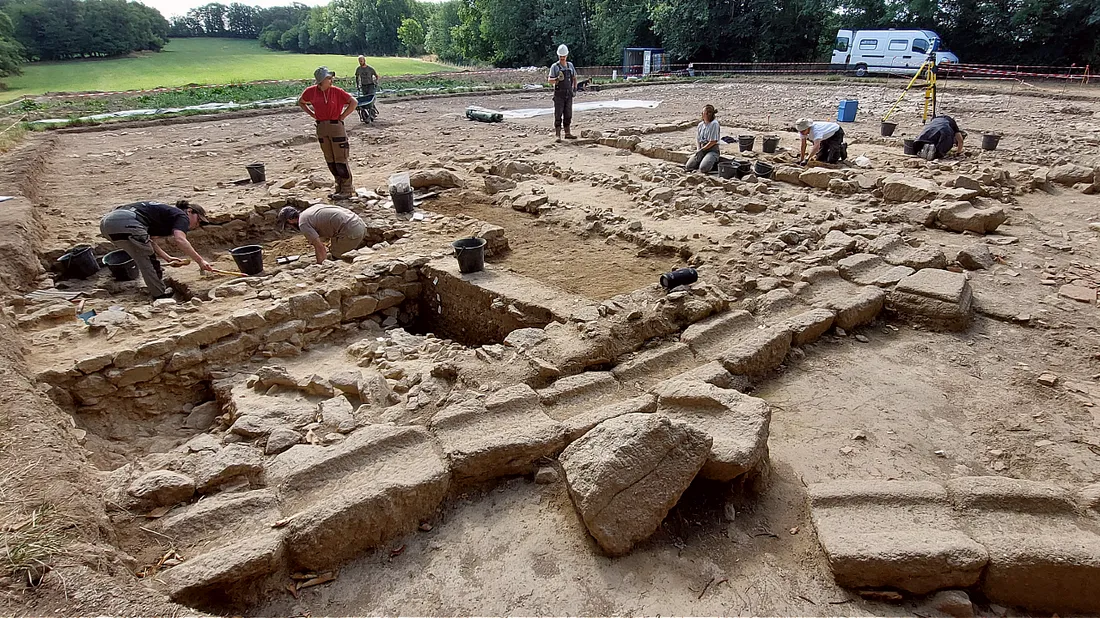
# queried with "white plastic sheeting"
point(621, 104)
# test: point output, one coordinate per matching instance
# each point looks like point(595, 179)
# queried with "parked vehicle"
point(895, 52)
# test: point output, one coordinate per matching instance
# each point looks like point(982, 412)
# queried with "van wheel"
point(861, 70)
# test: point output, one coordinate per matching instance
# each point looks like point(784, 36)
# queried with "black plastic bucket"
point(122, 266)
point(470, 254)
point(763, 170)
point(679, 277)
point(887, 129)
point(744, 168)
point(79, 262)
point(249, 259)
point(402, 202)
point(256, 172)
point(990, 140)
point(745, 142)
point(771, 142)
point(727, 170)
point(910, 147)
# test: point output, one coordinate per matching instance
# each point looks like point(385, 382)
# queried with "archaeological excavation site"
point(875, 392)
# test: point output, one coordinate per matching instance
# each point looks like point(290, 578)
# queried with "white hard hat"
point(563, 50)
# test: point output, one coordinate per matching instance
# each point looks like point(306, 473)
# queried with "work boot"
point(568, 135)
point(844, 151)
point(557, 134)
point(928, 152)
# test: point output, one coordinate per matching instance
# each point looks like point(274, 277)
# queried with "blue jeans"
point(702, 161)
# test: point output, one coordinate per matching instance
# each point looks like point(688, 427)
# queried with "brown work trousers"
point(334, 144)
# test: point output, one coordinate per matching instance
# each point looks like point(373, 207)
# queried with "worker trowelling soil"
point(903, 383)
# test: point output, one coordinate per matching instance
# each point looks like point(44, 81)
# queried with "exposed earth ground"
point(135, 451)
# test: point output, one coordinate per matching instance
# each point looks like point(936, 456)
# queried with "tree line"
point(516, 33)
point(513, 33)
point(66, 29)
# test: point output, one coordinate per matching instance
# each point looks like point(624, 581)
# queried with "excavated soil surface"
point(901, 402)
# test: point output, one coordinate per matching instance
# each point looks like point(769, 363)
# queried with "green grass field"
point(193, 61)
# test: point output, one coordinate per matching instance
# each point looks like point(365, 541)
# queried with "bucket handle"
point(461, 249)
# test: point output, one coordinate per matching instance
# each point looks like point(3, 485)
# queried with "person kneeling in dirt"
point(342, 228)
point(707, 136)
point(938, 136)
point(135, 228)
point(329, 106)
point(827, 139)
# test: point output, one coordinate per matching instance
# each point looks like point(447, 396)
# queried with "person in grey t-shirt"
point(342, 228)
point(707, 136)
point(564, 78)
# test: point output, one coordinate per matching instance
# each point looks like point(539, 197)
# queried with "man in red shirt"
point(329, 106)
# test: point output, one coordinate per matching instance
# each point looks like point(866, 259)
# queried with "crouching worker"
point(827, 139)
point(938, 136)
point(342, 228)
point(135, 229)
point(706, 137)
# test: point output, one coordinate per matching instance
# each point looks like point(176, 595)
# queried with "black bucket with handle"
point(745, 142)
point(771, 142)
point(249, 258)
point(910, 147)
point(79, 262)
point(744, 168)
point(470, 253)
point(256, 172)
point(402, 201)
point(990, 141)
point(727, 169)
point(122, 266)
point(887, 129)
point(763, 170)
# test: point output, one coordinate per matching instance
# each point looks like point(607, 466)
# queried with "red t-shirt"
point(327, 104)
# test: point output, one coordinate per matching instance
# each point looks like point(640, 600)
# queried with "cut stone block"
point(933, 297)
point(627, 472)
point(964, 217)
point(737, 423)
point(578, 424)
point(221, 514)
point(871, 270)
point(654, 364)
point(505, 435)
point(579, 389)
point(893, 534)
point(759, 352)
point(195, 579)
point(808, 326)
point(712, 336)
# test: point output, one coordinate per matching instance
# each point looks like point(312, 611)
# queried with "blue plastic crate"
point(846, 112)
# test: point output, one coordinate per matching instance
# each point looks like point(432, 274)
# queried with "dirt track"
point(906, 403)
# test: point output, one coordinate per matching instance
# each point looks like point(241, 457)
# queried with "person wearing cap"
point(564, 78)
point(329, 105)
point(827, 139)
point(135, 229)
point(366, 78)
point(938, 136)
point(342, 228)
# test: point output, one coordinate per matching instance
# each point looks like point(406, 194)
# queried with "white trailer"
point(896, 52)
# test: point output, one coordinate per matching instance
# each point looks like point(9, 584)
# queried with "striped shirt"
point(708, 132)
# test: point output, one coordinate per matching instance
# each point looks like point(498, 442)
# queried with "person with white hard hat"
point(564, 78)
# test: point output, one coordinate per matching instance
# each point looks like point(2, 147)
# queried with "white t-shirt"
point(822, 131)
point(708, 132)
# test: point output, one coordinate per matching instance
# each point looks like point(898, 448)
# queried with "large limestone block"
point(243, 562)
point(902, 188)
point(737, 423)
point(759, 352)
point(965, 217)
point(936, 298)
point(627, 472)
point(820, 177)
point(158, 488)
point(505, 435)
point(895, 534)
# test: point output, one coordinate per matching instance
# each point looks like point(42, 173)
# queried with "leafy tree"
point(438, 39)
point(411, 34)
point(11, 51)
point(241, 20)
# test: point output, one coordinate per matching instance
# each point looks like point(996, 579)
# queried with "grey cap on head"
point(286, 214)
point(803, 124)
point(321, 73)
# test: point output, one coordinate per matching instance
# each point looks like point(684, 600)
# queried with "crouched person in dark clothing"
point(135, 228)
point(938, 136)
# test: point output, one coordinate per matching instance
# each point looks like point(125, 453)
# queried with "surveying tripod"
point(928, 69)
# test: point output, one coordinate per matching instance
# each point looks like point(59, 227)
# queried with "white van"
point(897, 52)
